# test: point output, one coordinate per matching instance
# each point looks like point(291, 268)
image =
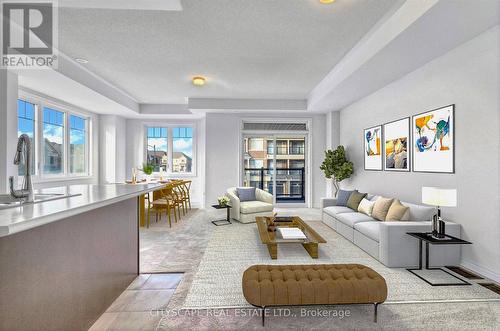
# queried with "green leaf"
point(336, 165)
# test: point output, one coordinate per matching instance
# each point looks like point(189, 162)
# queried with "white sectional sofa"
point(388, 241)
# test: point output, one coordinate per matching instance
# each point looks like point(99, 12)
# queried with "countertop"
point(28, 216)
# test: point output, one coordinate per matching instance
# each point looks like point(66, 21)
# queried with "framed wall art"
point(396, 145)
point(373, 148)
point(433, 136)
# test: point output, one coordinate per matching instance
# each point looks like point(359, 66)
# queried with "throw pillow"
point(342, 197)
point(381, 207)
point(355, 199)
point(246, 193)
point(366, 207)
point(396, 212)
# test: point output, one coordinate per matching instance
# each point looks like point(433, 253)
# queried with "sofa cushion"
point(397, 211)
point(366, 207)
point(369, 229)
point(246, 193)
point(350, 219)
point(419, 213)
point(342, 197)
point(334, 210)
point(381, 208)
point(251, 207)
point(355, 199)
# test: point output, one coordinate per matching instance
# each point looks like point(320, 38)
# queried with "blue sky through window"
point(77, 130)
point(183, 140)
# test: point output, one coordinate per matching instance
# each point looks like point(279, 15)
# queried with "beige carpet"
point(231, 249)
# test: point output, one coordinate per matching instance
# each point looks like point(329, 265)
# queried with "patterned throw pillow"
point(246, 193)
point(366, 207)
point(381, 208)
point(342, 197)
point(396, 212)
point(355, 199)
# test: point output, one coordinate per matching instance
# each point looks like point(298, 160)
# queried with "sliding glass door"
point(276, 164)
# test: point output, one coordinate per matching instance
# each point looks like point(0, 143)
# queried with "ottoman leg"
point(263, 316)
point(375, 306)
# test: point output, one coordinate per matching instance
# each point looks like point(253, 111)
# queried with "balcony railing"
point(290, 182)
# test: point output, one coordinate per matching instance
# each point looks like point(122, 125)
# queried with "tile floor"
point(136, 308)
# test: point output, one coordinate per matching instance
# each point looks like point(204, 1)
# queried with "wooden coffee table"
point(272, 240)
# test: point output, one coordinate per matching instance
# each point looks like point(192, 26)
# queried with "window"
point(171, 149)
point(157, 140)
point(183, 150)
point(256, 144)
point(53, 141)
point(297, 147)
point(77, 144)
point(26, 113)
point(59, 139)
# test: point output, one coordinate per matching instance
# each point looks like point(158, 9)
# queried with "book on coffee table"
point(291, 233)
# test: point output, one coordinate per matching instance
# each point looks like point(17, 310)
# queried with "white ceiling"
point(258, 49)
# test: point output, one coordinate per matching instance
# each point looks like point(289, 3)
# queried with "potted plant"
point(148, 169)
point(336, 166)
point(223, 200)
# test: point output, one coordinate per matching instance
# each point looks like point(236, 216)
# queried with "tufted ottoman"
point(319, 284)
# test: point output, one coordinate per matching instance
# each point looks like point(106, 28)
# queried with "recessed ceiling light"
point(82, 61)
point(326, 1)
point(199, 80)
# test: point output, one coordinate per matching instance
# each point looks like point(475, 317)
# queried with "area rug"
point(233, 248)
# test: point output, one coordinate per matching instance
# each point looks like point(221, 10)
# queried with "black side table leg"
point(426, 255)
point(420, 254)
point(228, 216)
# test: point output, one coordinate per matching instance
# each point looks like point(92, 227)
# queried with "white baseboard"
point(481, 270)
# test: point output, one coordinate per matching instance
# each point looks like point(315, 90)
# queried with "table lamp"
point(439, 197)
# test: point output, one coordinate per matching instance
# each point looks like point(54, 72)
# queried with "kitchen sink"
point(7, 201)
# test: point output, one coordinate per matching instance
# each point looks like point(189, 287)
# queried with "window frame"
point(42, 102)
point(170, 146)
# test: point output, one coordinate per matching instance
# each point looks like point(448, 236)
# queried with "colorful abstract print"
point(433, 132)
point(396, 153)
point(372, 142)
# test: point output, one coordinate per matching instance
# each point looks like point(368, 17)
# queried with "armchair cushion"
point(252, 207)
point(246, 193)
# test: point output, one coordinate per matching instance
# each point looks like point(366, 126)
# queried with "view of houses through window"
point(289, 171)
point(158, 141)
point(56, 125)
point(77, 144)
point(53, 141)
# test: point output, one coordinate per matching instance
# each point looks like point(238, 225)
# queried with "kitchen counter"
point(63, 262)
point(28, 216)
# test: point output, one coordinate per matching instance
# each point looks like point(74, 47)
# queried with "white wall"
point(223, 137)
point(136, 152)
point(469, 77)
point(332, 142)
point(8, 127)
point(112, 142)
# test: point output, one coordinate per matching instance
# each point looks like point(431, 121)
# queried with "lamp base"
point(441, 229)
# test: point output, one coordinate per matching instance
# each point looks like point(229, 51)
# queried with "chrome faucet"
point(23, 152)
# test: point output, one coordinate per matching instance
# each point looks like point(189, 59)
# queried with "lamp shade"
point(441, 197)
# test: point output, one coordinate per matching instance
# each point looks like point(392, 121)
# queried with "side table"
point(429, 239)
point(226, 221)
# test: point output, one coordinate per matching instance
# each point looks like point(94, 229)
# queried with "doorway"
point(276, 164)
